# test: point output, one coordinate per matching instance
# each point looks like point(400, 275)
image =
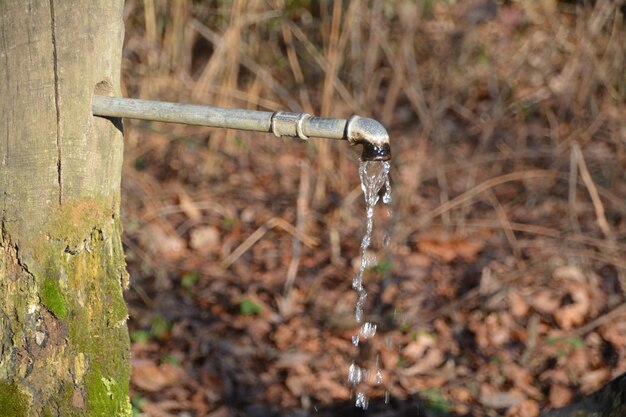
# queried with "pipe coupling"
point(289, 124)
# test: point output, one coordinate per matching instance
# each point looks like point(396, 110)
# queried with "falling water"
point(374, 175)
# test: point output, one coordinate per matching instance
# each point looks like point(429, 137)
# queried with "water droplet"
point(370, 259)
point(355, 374)
point(379, 376)
point(387, 240)
point(367, 330)
point(358, 314)
point(387, 195)
point(386, 397)
point(355, 340)
point(390, 343)
point(361, 400)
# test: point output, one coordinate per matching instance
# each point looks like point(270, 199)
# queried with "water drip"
point(355, 374)
point(361, 400)
point(374, 175)
point(367, 330)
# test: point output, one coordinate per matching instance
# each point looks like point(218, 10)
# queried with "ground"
point(502, 289)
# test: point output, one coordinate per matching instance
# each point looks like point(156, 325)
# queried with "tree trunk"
point(64, 347)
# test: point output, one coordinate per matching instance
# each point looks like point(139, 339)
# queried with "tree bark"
point(64, 347)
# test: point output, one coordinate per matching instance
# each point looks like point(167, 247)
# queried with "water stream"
point(374, 175)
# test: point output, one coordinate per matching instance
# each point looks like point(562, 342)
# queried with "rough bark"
point(64, 345)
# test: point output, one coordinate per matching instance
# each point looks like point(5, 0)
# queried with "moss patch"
point(13, 402)
point(53, 298)
point(80, 284)
point(98, 329)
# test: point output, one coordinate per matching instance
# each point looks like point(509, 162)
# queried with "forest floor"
point(502, 291)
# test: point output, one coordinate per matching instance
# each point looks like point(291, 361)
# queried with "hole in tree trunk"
point(105, 88)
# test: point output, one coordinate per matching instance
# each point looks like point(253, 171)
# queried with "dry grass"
point(508, 127)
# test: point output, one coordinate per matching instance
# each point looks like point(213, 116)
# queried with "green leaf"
point(401, 362)
point(405, 326)
point(383, 267)
point(575, 341)
point(248, 308)
point(140, 336)
point(137, 402)
point(160, 326)
point(173, 360)
point(190, 279)
point(437, 404)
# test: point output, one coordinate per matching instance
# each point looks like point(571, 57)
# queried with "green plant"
point(247, 307)
point(437, 404)
point(190, 279)
point(140, 336)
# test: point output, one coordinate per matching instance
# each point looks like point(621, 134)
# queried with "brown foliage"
point(503, 288)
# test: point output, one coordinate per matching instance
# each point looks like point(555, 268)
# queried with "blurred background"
point(502, 290)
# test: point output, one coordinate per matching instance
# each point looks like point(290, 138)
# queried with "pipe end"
point(376, 153)
point(372, 135)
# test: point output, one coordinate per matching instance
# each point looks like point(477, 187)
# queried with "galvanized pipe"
point(357, 130)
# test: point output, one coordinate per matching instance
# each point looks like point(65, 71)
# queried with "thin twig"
point(601, 320)
point(593, 192)
point(547, 232)
point(272, 223)
point(480, 188)
point(506, 227)
point(302, 205)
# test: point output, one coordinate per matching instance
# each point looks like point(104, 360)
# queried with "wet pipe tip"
point(376, 153)
point(372, 135)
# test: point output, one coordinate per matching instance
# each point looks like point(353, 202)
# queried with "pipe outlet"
point(372, 135)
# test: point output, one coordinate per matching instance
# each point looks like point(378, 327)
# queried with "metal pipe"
point(356, 130)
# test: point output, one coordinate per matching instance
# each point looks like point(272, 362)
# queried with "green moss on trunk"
point(13, 402)
point(74, 361)
point(52, 297)
point(83, 281)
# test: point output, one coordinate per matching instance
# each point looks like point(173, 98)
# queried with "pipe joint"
point(289, 124)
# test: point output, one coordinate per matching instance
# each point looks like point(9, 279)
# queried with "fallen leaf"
point(527, 408)
point(290, 360)
point(568, 273)
point(555, 376)
point(594, 380)
point(447, 250)
point(156, 410)
point(416, 349)
point(501, 399)
point(522, 379)
point(164, 244)
point(560, 395)
point(204, 239)
point(187, 205)
point(574, 314)
point(432, 359)
point(223, 411)
point(149, 376)
point(545, 301)
point(519, 306)
point(299, 384)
